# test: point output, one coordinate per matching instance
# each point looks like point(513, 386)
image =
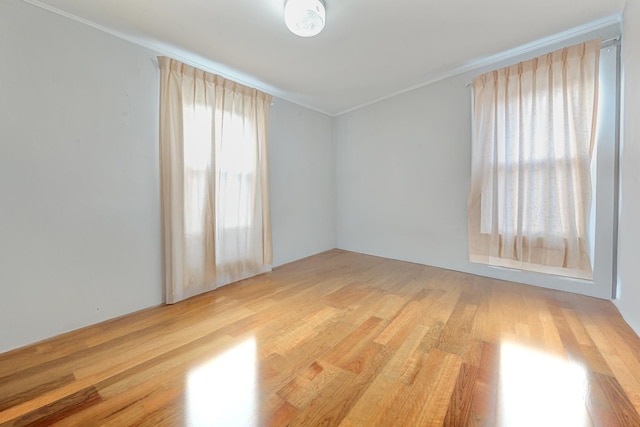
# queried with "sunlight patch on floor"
point(223, 391)
point(540, 389)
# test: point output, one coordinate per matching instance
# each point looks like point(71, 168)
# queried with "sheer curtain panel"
point(533, 135)
point(214, 180)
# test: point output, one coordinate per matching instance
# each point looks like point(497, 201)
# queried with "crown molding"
point(610, 25)
point(163, 49)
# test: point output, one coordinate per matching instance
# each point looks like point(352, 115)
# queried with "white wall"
point(403, 171)
point(302, 182)
point(79, 180)
point(79, 197)
point(402, 174)
point(629, 231)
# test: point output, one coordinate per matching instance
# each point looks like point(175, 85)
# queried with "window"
point(215, 193)
point(533, 137)
point(235, 164)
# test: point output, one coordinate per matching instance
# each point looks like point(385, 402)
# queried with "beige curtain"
point(214, 180)
point(533, 134)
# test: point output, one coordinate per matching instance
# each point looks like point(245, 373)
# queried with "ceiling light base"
point(304, 18)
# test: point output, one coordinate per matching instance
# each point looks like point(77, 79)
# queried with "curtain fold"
point(533, 135)
point(214, 180)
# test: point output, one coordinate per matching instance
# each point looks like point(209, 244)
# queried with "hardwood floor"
point(339, 339)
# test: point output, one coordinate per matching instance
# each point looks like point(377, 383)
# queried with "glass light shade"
point(304, 18)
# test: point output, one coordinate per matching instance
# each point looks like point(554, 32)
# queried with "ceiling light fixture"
point(304, 18)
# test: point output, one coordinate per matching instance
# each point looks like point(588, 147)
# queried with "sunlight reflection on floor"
point(223, 391)
point(539, 389)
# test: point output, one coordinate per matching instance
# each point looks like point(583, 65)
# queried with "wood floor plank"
point(338, 338)
point(598, 405)
point(459, 408)
point(14, 391)
point(626, 413)
point(282, 416)
point(433, 389)
point(59, 410)
point(485, 390)
point(336, 400)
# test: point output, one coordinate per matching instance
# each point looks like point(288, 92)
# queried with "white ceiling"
point(369, 49)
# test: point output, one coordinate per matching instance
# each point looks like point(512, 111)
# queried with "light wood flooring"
point(339, 339)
